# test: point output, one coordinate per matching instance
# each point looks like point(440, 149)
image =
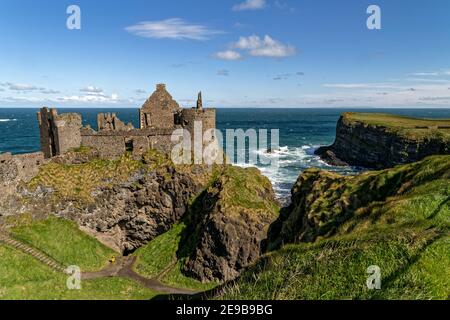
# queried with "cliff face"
point(127, 202)
point(229, 222)
point(325, 204)
point(124, 203)
point(381, 141)
point(338, 228)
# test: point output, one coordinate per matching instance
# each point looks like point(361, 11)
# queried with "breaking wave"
point(287, 164)
point(7, 120)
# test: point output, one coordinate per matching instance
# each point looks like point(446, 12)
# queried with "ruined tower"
point(59, 133)
point(160, 110)
point(199, 101)
point(159, 117)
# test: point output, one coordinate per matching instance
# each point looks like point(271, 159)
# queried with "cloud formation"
point(91, 90)
point(174, 28)
point(264, 47)
point(228, 55)
point(250, 5)
point(50, 91)
point(22, 87)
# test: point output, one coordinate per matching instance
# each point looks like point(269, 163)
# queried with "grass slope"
point(166, 254)
point(76, 182)
point(411, 127)
point(405, 234)
point(64, 242)
point(24, 278)
point(159, 258)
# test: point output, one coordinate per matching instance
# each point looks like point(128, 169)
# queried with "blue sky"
point(240, 53)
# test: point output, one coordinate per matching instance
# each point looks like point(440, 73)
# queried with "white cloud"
point(50, 91)
point(428, 80)
point(425, 74)
point(396, 94)
point(442, 72)
point(23, 99)
point(228, 55)
point(90, 98)
point(92, 90)
point(22, 87)
point(174, 28)
point(264, 47)
point(250, 5)
point(361, 85)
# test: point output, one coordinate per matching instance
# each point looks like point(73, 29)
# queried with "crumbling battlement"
point(159, 116)
point(108, 122)
point(59, 133)
point(160, 110)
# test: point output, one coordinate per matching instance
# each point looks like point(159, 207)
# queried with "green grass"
point(414, 265)
point(160, 255)
point(246, 188)
point(64, 242)
point(401, 223)
point(411, 127)
point(24, 278)
point(82, 150)
point(76, 182)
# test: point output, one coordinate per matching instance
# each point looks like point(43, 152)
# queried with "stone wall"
point(108, 122)
point(59, 133)
point(14, 169)
point(159, 117)
point(160, 110)
point(207, 117)
point(112, 144)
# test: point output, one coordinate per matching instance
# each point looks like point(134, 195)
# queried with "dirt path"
point(123, 267)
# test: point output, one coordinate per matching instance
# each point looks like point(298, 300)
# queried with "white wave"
point(283, 165)
point(7, 120)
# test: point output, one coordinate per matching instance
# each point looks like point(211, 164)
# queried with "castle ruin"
point(159, 116)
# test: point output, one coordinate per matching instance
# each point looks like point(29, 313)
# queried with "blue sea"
point(301, 132)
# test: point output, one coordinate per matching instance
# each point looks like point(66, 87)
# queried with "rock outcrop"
point(15, 169)
point(124, 203)
point(325, 204)
point(381, 141)
point(229, 222)
point(130, 214)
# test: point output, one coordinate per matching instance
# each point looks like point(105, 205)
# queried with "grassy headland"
point(397, 219)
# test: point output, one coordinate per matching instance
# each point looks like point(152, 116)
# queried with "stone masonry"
point(159, 116)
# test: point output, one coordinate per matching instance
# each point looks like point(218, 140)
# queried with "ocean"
point(301, 132)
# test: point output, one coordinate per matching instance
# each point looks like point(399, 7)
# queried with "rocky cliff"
point(325, 204)
point(128, 202)
point(229, 220)
point(339, 229)
point(124, 203)
point(381, 140)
